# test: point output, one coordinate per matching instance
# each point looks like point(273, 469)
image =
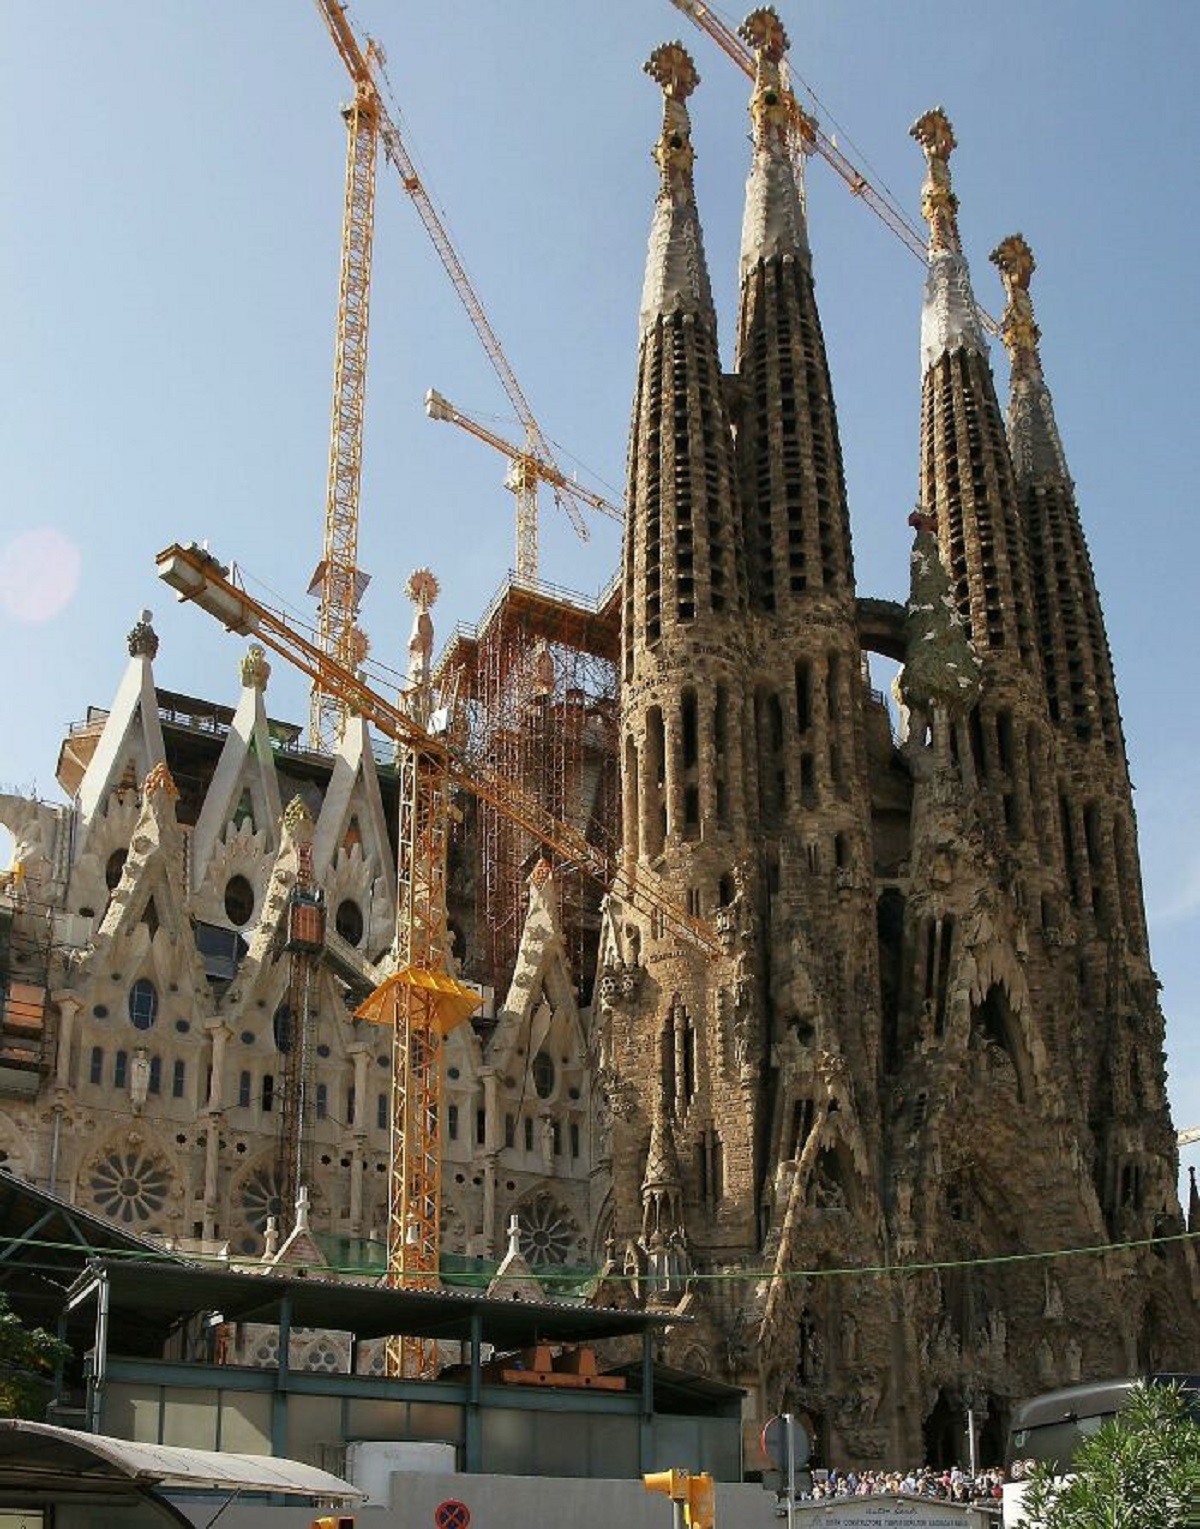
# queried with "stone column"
point(491, 1150)
point(361, 1057)
point(69, 1006)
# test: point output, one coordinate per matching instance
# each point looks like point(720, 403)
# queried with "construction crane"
point(1187, 1137)
point(420, 1001)
point(526, 470)
point(338, 582)
point(809, 138)
point(377, 125)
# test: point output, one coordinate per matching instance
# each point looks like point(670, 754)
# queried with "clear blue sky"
point(171, 177)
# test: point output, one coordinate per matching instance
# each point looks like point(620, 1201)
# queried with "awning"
point(40, 1455)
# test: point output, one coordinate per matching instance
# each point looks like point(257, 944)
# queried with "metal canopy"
point(46, 1242)
point(39, 1455)
point(161, 1295)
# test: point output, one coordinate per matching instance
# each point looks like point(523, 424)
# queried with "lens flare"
point(39, 574)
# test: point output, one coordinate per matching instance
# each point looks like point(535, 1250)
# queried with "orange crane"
point(371, 123)
point(420, 1001)
point(808, 135)
point(526, 470)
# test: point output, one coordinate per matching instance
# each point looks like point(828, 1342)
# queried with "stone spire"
point(676, 273)
point(966, 472)
point(773, 221)
point(794, 500)
point(950, 317)
point(1033, 438)
point(1080, 686)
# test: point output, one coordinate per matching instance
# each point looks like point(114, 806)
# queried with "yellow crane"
point(337, 580)
point(810, 139)
point(526, 470)
point(420, 1001)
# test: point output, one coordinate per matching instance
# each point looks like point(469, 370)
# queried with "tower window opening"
point(120, 1069)
point(690, 729)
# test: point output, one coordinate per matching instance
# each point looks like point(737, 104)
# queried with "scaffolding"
point(539, 675)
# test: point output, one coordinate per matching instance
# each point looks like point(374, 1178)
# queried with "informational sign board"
point(891, 1512)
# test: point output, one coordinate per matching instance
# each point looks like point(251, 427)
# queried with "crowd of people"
point(953, 1485)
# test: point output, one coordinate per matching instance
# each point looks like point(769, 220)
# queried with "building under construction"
point(538, 679)
point(910, 1052)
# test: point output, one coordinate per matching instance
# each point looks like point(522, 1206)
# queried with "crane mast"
point(337, 581)
point(359, 64)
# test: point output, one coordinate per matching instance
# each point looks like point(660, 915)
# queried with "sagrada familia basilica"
point(927, 1055)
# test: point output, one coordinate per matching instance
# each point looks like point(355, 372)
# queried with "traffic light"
point(334, 1521)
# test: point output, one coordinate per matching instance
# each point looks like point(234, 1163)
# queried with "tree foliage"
point(28, 1356)
point(1140, 1471)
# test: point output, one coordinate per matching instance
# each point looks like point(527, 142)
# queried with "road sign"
point(452, 1514)
point(775, 1442)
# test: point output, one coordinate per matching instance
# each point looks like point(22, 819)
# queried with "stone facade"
point(147, 1034)
point(933, 1038)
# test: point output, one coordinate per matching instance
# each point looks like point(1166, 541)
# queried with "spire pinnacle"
point(1033, 438)
point(672, 68)
point(676, 275)
point(773, 223)
point(1018, 328)
point(950, 318)
point(939, 205)
point(763, 31)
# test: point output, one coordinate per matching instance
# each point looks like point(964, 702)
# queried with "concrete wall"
point(511, 1502)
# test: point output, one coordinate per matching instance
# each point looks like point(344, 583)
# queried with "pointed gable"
point(245, 772)
point(131, 743)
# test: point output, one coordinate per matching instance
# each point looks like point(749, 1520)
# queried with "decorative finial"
point(1018, 328)
point(159, 779)
point(514, 1236)
point(256, 671)
point(763, 31)
point(939, 205)
point(423, 588)
point(143, 640)
point(671, 67)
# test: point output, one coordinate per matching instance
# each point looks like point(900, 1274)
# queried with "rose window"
point(130, 1187)
point(260, 1199)
point(548, 1232)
